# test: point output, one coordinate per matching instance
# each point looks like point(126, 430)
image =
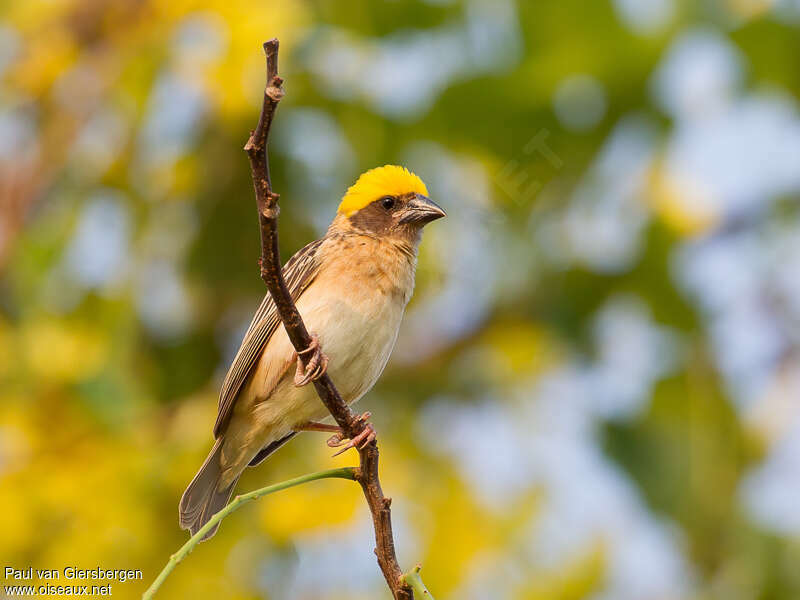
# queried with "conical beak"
point(421, 210)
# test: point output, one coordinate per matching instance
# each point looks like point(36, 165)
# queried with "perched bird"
point(351, 287)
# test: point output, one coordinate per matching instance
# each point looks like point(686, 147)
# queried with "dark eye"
point(387, 202)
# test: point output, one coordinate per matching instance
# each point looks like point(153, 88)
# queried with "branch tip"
point(271, 50)
point(413, 580)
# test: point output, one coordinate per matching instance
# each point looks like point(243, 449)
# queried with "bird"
point(351, 288)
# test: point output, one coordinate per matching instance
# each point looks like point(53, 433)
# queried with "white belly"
point(358, 339)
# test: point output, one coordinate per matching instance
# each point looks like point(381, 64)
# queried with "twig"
point(240, 500)
point(267, 202)
point(413, 579)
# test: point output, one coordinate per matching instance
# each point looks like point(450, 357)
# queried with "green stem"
point(343, 473)
point(413, 579)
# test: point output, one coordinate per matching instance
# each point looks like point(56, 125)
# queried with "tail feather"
point(204, 498)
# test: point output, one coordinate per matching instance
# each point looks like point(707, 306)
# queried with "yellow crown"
point(390, 180)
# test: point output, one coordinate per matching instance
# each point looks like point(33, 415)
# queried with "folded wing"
point(298, 272)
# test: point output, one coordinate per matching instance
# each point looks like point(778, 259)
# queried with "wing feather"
point(298, 272)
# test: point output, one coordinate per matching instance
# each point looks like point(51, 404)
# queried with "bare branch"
point(267, 202)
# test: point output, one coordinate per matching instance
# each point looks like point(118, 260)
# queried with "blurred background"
point(596, 390)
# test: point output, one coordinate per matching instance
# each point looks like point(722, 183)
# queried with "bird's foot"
point(311, 368)
point(366, 436)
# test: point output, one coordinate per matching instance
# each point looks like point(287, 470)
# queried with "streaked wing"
point(298, 272)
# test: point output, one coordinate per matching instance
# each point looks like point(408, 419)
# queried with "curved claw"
point(314, 368)
point(360, 441)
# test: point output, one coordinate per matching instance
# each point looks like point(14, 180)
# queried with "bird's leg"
point(314, 367)
point(336, 440)
point(314, 426)
point(362, 439)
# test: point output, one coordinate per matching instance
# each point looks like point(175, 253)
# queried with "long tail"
point(204, 497)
